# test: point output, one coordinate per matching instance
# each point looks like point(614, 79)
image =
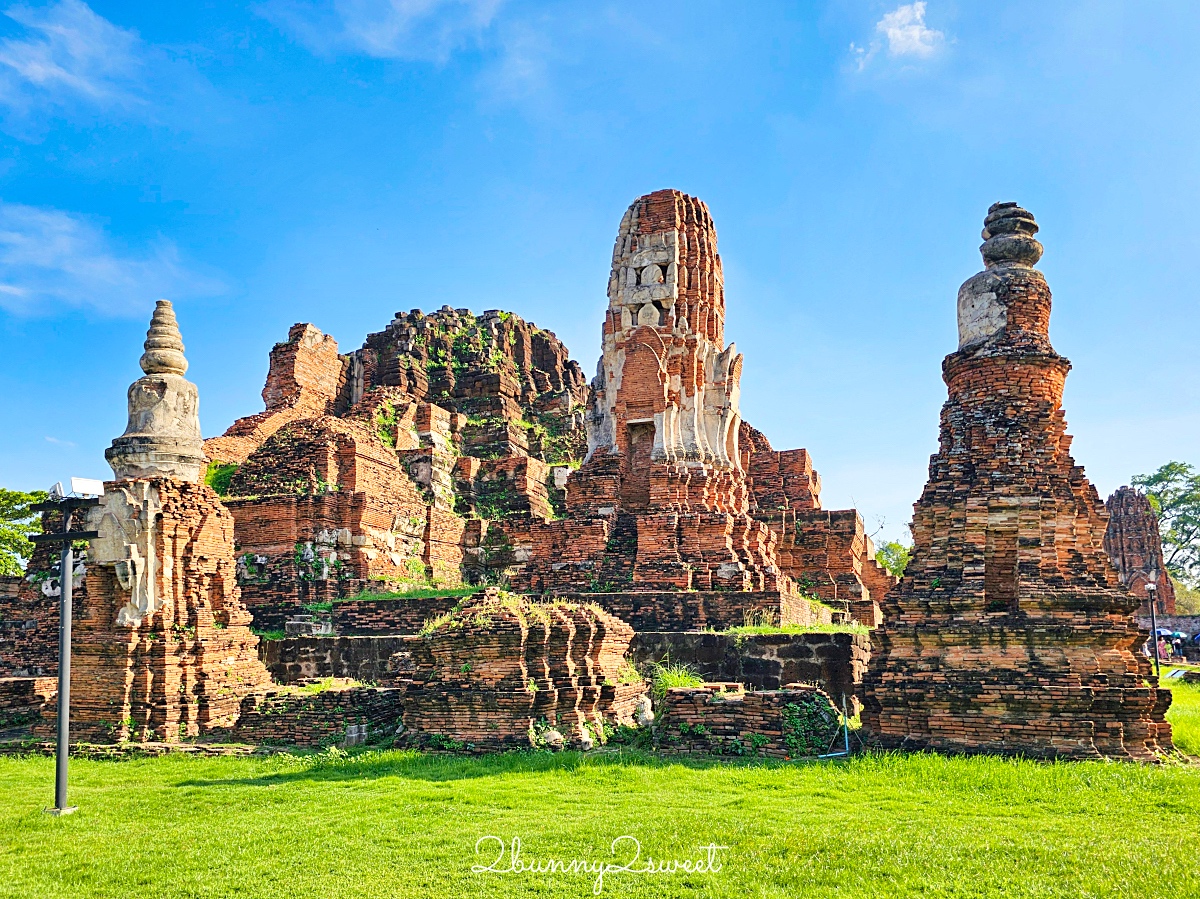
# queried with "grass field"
point(383, 824)
point(1184, 716)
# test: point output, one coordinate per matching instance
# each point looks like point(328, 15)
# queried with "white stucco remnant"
point(125, 522)
point(981, 315)
point(162, 438)
point(700, 421)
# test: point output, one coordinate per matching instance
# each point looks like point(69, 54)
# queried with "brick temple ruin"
point(568, 533)
point(1011, 632)
point(682, 515)
point(1134, 544)
point(445, 451)
point(382, 467)
point(163, 649)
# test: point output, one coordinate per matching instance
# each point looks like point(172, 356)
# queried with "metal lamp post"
point(1152, 596)
point(67, 505)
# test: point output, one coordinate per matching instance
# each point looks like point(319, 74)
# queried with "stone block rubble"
point(503, 672)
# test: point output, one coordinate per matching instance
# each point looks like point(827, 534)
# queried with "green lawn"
point(1184, 714)
point(398, 824)
point(383, 824)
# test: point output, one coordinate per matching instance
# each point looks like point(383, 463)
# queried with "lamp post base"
point(57, 812)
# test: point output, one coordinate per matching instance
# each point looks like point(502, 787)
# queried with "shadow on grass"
point(414, 765)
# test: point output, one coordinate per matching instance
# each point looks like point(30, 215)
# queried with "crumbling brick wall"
point(722, 719)
point(294, 660)
point(502, 670)
point(388, 616)
point(304, 378)
point(683, 610)
point(29, 608)
point(23, 699)
point(836, 662)
point(333, 716)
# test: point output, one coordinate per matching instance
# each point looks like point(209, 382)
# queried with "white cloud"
point(50, 259)
point(68, 55)
point(905, 32)
point(57, 442)
point(385, 29)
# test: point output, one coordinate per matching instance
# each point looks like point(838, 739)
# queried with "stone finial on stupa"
point(164, 343)
point(985, 301)
point(162, 439)
point(1008, 236)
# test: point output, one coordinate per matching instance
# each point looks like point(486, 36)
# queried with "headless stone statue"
point(162, 438)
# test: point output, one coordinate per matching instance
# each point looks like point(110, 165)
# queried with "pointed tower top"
point(164, 343)
point(162, 439)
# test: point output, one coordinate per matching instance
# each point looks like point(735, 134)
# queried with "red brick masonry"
point(503, 671)
point(721, 718)
point(1011, 632)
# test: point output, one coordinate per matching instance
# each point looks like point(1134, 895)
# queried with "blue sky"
point(266, 163)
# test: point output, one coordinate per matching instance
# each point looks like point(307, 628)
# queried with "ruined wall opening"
point(635, 485)
point(1000, 571)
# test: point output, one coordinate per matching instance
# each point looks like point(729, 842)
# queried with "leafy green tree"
point(1187, 600)
point(17, 524)
point(894, 556)
point(1174, 494)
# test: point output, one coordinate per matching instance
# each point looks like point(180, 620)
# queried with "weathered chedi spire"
point(1134, 544)
point(162, 439)
point(163, 649)
point(1010, 632)
point(667, 388)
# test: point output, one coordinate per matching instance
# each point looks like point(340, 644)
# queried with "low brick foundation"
point(357, 617)
point(22, 699)
point(388, 616)
point(346, 715)
point(834, 661)
point(297, 659)
point(683, 610)
point(721, 719)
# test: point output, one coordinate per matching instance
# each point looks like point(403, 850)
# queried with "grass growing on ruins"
point(415, 593)
point(326, 683)
point(666, 674)
point(851, 627)
point(403, 824)
point(218, 475)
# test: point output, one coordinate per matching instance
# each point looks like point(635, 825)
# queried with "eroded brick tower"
point(666, 398)
point(682, 515)
point(1134, 544)
point(663, 478)
point(1010, 632)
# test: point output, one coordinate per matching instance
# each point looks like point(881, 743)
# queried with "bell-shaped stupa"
point(162, 439)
